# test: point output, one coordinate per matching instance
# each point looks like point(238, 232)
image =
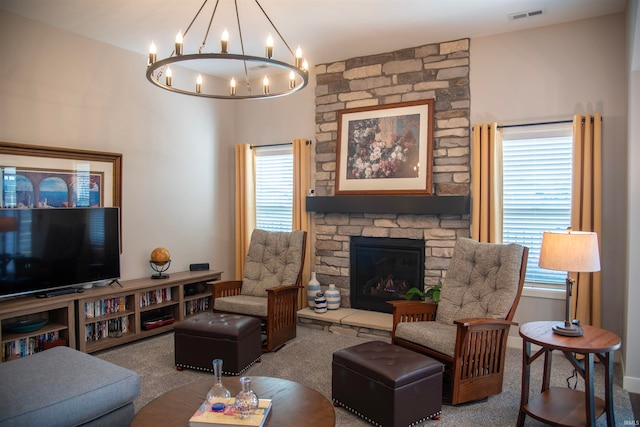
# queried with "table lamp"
point(573, 252)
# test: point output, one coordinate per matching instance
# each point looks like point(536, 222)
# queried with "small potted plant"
point(433, 293)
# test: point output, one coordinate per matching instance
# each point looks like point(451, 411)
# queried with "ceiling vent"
point(522, 15)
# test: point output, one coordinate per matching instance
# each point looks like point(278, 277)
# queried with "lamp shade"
point(572, 251)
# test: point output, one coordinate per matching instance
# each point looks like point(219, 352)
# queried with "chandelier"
point(218, 73)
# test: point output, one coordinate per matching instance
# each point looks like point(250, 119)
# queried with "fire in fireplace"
point(384, 269)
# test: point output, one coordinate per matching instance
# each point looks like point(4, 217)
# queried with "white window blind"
point(537, 176)
point(274, 188)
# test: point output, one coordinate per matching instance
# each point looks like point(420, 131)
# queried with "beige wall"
point(57, 89)
point(549, 74)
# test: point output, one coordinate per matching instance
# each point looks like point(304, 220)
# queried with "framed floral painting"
point(386, 149)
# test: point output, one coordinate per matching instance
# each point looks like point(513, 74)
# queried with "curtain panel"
point(586, 210)
point(245, 203)
point(486, 179)
point(301, 218)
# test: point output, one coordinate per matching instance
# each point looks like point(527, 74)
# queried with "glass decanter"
point(246, 400)
point(218, 395)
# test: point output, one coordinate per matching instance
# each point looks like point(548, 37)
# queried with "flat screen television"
point(44, 250)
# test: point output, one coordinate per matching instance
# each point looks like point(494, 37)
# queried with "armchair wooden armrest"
point(479, 339)
point(226, 288)
point(411, 311)
point(285, 298)
point(481, 328)
point(483, 322)
point(282, 307)
point(284, 289)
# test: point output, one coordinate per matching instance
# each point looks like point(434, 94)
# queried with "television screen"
point(47, 249)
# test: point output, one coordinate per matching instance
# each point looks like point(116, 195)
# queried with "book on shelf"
point(205, 417)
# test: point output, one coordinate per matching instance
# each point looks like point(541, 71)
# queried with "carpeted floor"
point(307, 360)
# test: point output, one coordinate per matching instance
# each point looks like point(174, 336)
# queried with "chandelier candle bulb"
point(269, 46)
point(292, 80)
point(152, 53)
point(169, 76)
point(179, 41)
point(305, 65)
point(265, 85)
point(199, 83)
point(233, 87)
point(298, 57)
point(224, 41)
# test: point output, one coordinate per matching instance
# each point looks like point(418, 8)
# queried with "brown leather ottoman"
point(387, 385)
point(206, 336)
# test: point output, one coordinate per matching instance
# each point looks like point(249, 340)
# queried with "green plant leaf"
point(433, 293)
point(414, 291)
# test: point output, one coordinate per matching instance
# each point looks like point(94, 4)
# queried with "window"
point(537, 175)
point(274, 188)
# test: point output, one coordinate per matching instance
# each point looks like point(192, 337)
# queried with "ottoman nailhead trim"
point(199, 368)
point(375, 423)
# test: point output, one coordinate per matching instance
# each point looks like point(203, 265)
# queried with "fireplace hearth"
point(384, 269)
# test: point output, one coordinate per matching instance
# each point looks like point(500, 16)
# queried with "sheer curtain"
point(245, 203)
point(301, 218)
point(586, 209)
point(486, 179)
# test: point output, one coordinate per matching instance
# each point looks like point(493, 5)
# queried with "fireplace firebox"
point(384, 269)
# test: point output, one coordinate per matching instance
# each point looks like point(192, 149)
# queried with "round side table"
point(563, 406)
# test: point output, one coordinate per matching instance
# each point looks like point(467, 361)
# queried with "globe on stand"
point(160, 262)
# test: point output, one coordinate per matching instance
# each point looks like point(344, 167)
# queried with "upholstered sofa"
point(65, 387)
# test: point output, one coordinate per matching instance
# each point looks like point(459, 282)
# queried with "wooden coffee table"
point(293, 404)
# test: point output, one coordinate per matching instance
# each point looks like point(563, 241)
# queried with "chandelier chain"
point(206, 34)
point(244, 63)
point(193, 20)
point(275, 28)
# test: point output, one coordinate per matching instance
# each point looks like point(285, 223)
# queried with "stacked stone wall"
point(437, 71)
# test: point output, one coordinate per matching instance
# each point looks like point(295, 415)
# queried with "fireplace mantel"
point(426, 205)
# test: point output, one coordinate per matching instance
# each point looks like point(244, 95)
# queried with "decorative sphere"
point(160, 256)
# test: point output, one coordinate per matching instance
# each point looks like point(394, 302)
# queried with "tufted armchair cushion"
point(274, 259)
point(482, 281)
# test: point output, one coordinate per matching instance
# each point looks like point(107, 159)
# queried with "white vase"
point(333, 297)
point(312, 289)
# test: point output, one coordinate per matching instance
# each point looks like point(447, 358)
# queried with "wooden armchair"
point(270, 284)
point(468, 329)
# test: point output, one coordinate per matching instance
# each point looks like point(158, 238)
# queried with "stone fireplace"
point(383, 269)
point(438, 71)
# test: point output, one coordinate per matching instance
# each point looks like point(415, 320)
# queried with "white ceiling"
point(326, 30)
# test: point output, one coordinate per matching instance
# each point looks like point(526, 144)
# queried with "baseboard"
point(631, 384)
point(514, 341)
